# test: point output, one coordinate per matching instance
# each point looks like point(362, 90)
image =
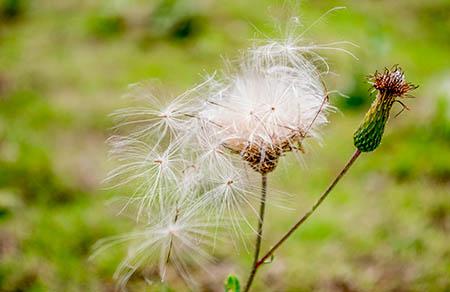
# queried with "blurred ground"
point(65, 64)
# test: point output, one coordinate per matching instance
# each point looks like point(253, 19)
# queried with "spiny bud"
point(391, 85)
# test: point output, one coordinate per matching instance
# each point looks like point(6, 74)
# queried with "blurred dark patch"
point(11, 9)
point(358, 94)
point(106, 25)
point(185, 28)
point(4, 212)
point(338, 285)
point(440, 216)
point(22, 281)
point(172, 20)
point(166, 20)
point(90, 232)
point(9, 203)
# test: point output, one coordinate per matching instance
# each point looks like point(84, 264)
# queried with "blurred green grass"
point(64, 66)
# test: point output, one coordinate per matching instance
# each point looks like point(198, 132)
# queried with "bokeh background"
point(64, 66)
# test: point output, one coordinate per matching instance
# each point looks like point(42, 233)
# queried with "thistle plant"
point(192, 163)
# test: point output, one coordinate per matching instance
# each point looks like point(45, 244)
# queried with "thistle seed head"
point(191, 154)
point(274, 101)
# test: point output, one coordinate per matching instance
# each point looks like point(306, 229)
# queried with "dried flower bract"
point(391, 82)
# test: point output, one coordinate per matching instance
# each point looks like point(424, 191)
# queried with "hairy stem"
point(310, 212)
point(262, 210)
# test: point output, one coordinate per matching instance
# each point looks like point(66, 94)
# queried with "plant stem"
point(313, 208)
point(262, 210)
point(171, 238)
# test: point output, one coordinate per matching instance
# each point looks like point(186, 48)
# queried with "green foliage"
point(184, 28)
point(34, 178)
point(26, 164)
point(174, 19)
point(106, 25)
point(11, 9)
point(232, 284)
point(390, 216)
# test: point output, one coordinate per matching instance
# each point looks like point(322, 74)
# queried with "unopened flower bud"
point(391, 85)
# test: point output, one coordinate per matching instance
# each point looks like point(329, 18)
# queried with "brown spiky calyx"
point(263, 156)
point(391, 82)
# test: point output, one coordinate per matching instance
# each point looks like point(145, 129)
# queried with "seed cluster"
point(263, 156)
point(188, 158)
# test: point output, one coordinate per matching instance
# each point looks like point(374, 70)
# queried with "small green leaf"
point(232, 284)
point(269, 260)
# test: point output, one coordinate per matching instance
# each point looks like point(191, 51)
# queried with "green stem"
point(259, 234)
point(171, 238)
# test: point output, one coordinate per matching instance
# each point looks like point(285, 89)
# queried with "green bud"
point(232, 284)
point(390, 85)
